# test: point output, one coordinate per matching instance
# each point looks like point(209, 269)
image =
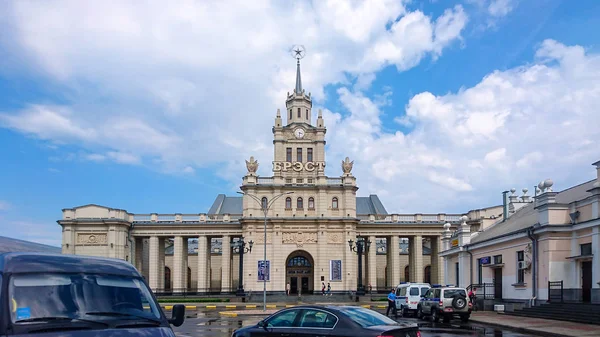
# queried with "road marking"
point(366, 306)
point(190, 307)
point(250, 306)
point(211, 307)
point(231, 306)
point(382, 306)
point(289, 305)
point(227, 313)
point(271, 306)
point(168, 307)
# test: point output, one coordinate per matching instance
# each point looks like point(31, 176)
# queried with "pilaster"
point(138, 258)
point(161, 263)
point(437, 263)
point(596, 264)
point(393, 251)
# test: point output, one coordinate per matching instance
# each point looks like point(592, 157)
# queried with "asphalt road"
point(209, 323)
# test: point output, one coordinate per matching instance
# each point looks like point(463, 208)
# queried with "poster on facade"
point(335, 270)
point(264, 270)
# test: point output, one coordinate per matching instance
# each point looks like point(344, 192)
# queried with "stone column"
point(154, 276)
point(372, 264)
point(202, 264)
point(226, 264)
point(161, 263)
point(394, 262)
point(436, 260)
point(138, 258)
point(415, 250)
point(178, 273)
point(185, 254)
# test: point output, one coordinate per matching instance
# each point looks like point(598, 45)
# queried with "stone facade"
point(311, 222)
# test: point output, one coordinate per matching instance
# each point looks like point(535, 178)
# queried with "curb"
point(517, 329)
point(252, 306)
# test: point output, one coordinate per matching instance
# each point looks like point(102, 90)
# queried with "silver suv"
point(445, 302)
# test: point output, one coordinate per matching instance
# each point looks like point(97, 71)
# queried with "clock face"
point(299, 133)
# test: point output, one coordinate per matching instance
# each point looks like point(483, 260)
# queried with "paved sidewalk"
point(538, 326)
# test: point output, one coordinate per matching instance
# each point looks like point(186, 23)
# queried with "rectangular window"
point(306, 114)
point(309, 157)
point(309, 180)
point(299, 113)
point(299, 154)
point(288, 154)
point(498, 259)
point(288, 181)
point(299, 181)
point(586, 249)
point(520, 271)
point(290, 113)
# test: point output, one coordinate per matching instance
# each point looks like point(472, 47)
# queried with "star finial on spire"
point(298, 52)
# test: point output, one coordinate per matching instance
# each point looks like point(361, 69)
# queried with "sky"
point(150, 107)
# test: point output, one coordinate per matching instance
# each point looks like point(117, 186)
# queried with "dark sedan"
point(304, 321)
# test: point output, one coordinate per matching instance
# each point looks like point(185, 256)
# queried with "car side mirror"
point(178, 315)
point(422, 296)
point(262, 324)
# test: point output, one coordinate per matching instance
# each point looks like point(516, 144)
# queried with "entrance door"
point(586, 281)
point(305, 285)
point(498, 283)
point(293, 285)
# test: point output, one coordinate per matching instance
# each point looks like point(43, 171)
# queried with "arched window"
point(288, 203)
point(300, 203)
point(406, 274)
point(311, 203)
point(334, 203)
point(427, 275)
point(264, 203)
point(299, 261)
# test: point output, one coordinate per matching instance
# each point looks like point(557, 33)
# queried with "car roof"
point(29, 262)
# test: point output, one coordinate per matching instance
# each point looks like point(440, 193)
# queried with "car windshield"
point(366, 317)
point(36, 296)
point(449, 293)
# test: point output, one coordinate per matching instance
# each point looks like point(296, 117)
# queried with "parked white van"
point(408, 296)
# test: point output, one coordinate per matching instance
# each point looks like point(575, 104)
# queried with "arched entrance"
point(299, 271)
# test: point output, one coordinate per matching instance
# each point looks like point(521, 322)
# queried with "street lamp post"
point(265, 208)
point(359, 247)
point(240, 247)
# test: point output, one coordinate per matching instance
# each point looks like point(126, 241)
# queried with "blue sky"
point(442, 104)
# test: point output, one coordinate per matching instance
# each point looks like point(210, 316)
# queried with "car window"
point(366, 317)
point(403, 291)
point(317, 319)
point(424, 290)
point(429, 294)
point(436, 293)
point(449, 293)
point(414, 291)
point(40, 295)
point(284, 319)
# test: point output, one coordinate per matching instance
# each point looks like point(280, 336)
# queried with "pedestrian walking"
point(287, 289)
point(323, 289)
point(329, 289)
point(391, 302)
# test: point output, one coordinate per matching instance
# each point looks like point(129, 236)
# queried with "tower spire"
point(298, 78)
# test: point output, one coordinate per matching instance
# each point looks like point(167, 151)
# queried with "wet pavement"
point(203, 322)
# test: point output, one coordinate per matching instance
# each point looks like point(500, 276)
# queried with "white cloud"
point(466, 147)
point(182, 87)
point(123, 158)
point(499, 8)
point(189, 170)
point(95, 157)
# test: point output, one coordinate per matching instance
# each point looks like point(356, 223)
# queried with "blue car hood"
point(146, 332)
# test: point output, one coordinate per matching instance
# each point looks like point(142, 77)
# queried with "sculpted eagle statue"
point(252, 165)
point(347, 165)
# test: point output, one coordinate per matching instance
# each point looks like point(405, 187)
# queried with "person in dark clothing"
point(391, 303)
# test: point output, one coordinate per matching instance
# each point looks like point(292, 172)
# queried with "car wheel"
point(435, 316)
point(419, 313)
point(404, 312)
point(459, 302)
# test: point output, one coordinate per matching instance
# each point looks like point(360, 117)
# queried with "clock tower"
point(299, 146)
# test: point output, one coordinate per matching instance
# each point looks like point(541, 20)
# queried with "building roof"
point(527, 216)
point(226, 205)
point(370, 205)
point(16, 245)
point(233, 205)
